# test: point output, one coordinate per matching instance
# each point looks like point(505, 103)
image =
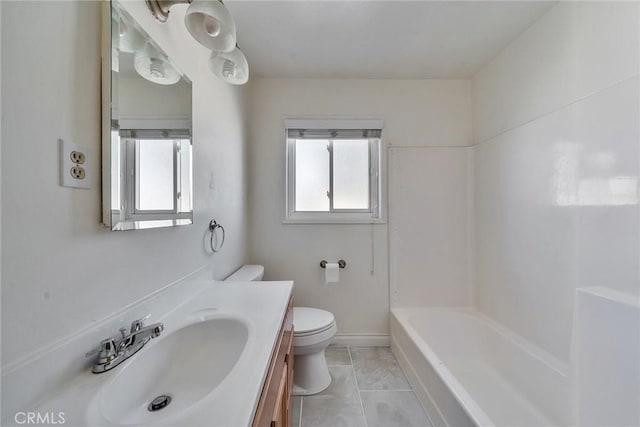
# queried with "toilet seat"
point(314, 332)
point(307, 343)
point(311, 321)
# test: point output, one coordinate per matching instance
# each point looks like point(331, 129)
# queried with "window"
point(333, 172)
point(158, 184)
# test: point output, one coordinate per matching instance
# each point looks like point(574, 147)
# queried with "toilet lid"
point(306, 319)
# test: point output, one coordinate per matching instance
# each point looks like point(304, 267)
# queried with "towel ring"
point(213, 226)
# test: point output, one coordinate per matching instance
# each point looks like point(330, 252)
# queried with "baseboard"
point(362, 340)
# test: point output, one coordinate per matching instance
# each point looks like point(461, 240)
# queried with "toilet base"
point(311, 374)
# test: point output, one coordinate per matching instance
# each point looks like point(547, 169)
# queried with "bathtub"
point(469, 370)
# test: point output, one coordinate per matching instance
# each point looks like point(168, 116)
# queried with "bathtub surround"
point(578, 235)
point(554, 216)
point(61, 270)
point(606, 382)
point(431, 230)
point(417, 113)
point(556, 168)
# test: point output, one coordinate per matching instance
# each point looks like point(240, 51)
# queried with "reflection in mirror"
point(147, 143)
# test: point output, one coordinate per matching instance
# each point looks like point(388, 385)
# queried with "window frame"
point(374, 214)
point(130, 140)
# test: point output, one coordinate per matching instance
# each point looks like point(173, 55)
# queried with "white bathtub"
point(471, 371)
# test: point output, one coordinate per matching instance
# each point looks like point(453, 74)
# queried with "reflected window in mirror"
point(159, 183)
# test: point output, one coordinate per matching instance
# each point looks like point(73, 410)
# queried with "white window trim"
point(333, 124)
point(129, 205)
point(377, 156)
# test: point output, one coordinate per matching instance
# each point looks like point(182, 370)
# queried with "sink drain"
point(159, 403)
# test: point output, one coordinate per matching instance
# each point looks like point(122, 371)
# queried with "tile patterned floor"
point(368, 389)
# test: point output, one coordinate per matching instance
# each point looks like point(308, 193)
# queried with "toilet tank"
point(247, 273)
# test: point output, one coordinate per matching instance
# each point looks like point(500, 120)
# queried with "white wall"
point(141, 99)
point(417, 113)
point(556, 117)
point(61, 269)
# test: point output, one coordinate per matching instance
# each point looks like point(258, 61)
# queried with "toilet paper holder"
point(342, 263)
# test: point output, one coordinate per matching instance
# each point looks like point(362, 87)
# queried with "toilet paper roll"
point(332, 272)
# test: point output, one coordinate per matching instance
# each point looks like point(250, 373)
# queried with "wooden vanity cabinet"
point(274, 406)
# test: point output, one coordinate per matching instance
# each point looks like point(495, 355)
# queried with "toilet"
point(313, 330)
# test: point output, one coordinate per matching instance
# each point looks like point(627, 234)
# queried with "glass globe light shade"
point(211, 24)
point(130, 39)
point(154, 67)
point(232, 67)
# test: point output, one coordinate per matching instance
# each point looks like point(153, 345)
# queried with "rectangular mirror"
point(146, 138)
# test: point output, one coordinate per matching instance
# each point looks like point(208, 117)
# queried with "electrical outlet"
point(77, 172)
point(75, 165)
point(77, 157)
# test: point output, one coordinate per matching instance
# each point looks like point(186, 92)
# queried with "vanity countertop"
point(259, 306)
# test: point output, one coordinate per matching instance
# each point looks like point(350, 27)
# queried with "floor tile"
point(338, 405)
point(393, 409)
point(332, 413)
point(389, 401)
point(343, 386)
point(295, 411)
point(337, 356)
point(377, 369)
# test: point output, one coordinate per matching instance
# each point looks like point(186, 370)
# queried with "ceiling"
point(377, 39)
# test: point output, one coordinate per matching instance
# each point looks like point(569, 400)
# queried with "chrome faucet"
point(113, 352)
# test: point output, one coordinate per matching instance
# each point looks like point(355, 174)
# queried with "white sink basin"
point(185, 365)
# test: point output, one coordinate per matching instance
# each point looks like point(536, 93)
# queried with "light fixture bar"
point(160, 8)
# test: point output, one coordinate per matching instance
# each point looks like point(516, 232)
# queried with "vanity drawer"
point(275, 400)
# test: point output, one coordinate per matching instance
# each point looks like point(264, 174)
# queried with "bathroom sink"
point(175, 373)
point(211, 358)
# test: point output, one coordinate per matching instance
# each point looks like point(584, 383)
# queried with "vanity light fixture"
point(208, 21)
point(232, 67)
point(211, 24)
point(153, 66)
point(124, 38)
point(130, 40)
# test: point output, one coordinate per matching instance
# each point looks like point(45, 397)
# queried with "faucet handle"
point(136, 325)
point(95, 350)
point(106, 351)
